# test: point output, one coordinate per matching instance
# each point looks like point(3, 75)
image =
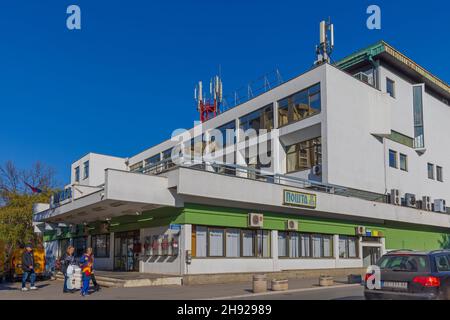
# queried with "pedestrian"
point(86, 271)
point(68, 259)
point(28, 268)
point(94, 281)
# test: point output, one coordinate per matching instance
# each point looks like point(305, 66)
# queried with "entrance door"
point(126, 251)
point(371, 255)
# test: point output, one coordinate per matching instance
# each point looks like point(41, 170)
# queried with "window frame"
point(439, 173)
point(346, 239)
point(314, 149)
point(395, 153)
point(393, 94)
point(86, 166)
point(402, 155)
point(430, 166)
point(310, 245)
point(77, 174)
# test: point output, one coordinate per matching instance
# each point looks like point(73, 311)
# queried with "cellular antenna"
point(326, 45)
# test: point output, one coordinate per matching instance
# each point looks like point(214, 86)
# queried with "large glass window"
point(259, 119)
point(304, 155)
point(348, 247)
point(228, 132)
point(419, 140)
point(282, 244)
point(248, 243)
point(263, 243)
point(201, 241)
point(216, 237)
point(136, 167)
point(80, 245)
point(303, 245)
point(153, 160)
point(233, 243)
point(100, 245)
point(299, 106)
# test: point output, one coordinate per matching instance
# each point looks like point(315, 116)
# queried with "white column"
point(274, 245)
point(336, 249)
point(185, 245)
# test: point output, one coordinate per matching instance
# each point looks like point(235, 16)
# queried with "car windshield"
point(409, 263)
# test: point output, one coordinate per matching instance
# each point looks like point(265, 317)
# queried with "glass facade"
point(299, 106)
point(419, 140)
point(257, 120)
point(100, 245)
point(304, 155)
point(304, 245)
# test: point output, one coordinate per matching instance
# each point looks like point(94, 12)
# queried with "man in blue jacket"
point(28, 268)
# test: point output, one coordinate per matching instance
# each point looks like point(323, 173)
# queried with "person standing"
point(28, 268)
point(68, 259)
point(94, 281)
point(86, 271)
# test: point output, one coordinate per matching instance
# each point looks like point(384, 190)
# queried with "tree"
point(17, 199)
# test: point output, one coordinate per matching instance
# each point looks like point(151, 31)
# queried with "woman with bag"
point(68, 260)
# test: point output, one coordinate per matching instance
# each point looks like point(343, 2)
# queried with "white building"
point(358, 151)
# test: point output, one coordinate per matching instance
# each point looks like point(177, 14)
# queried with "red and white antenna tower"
point(209, 108)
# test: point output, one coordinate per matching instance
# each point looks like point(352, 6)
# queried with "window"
point(299, 106)
point(282, 244)
point(80, 245)
point(419, 140)
point(201, 241)
point(304, 155)
point(263, 243)
point(216, 237)
point(86, 170)
point(259, 119)
point(302, 245)
point(233, 243)
point(348, 247)
point(100, 246)
point(153, 160)
point(167, 158)
point(403, 162)
point(439, 174)
point(413, 263)
point(392, 159)
point(430, 168)
point(442, 264)
point(248, 243)
point(136, 167)
point(390, 87)
point(77, 174)
point(228, 132)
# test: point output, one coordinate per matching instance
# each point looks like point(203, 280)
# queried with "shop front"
point(127, 250)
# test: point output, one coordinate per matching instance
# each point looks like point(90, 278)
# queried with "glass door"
point(126, 255)
point(371, 255)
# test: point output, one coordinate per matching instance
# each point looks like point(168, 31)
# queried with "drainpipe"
point(376, 65)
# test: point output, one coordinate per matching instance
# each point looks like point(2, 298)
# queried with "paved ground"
point(298, 289)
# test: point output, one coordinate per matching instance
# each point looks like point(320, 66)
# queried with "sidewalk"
point(53, 290)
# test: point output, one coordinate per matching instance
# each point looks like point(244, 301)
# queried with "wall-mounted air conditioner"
point(410, 200)
point(255, 220)
point(426, 203)
point(317, 170)
point(419, 205)
point(440, 206)
point(292, 225)
point(395, 197)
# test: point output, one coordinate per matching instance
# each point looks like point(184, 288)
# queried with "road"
point(305, 289)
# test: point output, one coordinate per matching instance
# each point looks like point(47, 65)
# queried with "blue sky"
point(125, 81)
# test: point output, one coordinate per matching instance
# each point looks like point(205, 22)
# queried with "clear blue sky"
point(125, 81)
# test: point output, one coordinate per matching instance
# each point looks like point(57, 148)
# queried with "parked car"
point(39, 263)
point(407, 274)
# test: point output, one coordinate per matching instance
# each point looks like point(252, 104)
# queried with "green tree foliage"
point(17, 200)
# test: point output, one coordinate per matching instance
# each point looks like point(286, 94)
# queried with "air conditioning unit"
point(367, 78)
point(360, 230)
point(419, 205)
point(255, 220)
point(317, 170)
point(292, 225)
point(426, 203)
point(410, 200)
point(440, 206)
point(395, 197)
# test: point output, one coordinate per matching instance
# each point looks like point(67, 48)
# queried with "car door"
point(442, 262)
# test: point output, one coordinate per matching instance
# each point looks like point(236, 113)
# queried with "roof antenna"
point(326, 45)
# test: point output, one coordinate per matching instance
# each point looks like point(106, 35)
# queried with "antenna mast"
point(209, 108)
point(326, 45)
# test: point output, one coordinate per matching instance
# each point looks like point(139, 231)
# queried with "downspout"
point(376, 73)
